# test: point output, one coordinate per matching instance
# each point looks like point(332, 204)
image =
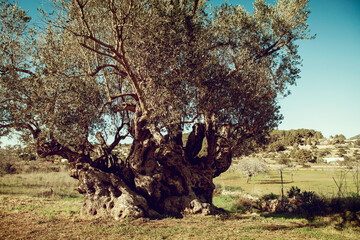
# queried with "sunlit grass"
point(40, 218)
point(320, 181)
point(25, 203)
point(54, 184)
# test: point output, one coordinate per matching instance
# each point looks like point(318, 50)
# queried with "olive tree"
point(151, 70)
point(251, 167)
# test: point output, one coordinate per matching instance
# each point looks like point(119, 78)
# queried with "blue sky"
point(327, 97)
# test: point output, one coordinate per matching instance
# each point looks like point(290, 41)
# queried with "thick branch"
point(156, 134)
point(181, 122)
point(133, 95)
point(118, 138)
point(26, 71)
point(101, 139)
point(124, 106)
point(101, 67)
point(52, 148)
point(34, 132)
point(196, 5)
point(195, 140)
point(210, 133)
point(95, 50)
point(119, 55)
point(19, 70)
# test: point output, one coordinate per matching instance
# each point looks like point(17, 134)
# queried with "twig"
point(339, 187)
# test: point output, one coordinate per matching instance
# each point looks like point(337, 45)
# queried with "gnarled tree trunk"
point(155, 179)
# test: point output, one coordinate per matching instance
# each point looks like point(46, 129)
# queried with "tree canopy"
point(280, 138)
point(180, 61)
point(102, 70)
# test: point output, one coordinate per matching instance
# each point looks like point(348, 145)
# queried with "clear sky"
point(327, 97)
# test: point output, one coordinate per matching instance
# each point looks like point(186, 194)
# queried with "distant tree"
point(303, 156)
point(339, 139)
point(305, 133)
point(324, 152)
point(283, 159)
point(295, 138)
point(318, 135)
point(251, 167)
point(298, 136)
point(277, 146)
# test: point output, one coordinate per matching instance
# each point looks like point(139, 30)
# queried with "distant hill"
point(355, 137)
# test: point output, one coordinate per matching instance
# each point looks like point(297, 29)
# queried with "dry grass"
point(34, 218)
point(54, 184)
point(28, 211)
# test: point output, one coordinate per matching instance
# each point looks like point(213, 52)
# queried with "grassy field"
point(47, 206)
point(24, 217)
point(50, 184)
point(321, 180)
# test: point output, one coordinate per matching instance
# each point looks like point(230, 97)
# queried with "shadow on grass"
point(228, 216)
point(340, 220)
point(318, 222)
point(274, 182)
point(286, 215)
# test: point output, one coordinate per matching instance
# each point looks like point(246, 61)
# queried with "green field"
point(47, 206)
point(51, 184)
point(321, 180)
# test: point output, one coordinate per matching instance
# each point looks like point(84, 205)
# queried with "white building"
point(333, 160)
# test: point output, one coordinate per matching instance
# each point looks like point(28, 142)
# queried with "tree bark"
point(160, 176)
point(152, 182)
point(155, 180)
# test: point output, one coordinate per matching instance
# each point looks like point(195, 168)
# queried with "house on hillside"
point(333, 160)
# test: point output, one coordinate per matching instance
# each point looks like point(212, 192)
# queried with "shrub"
point(267, 203)
point(7, 168)
point(323, 153)
point(277, 147)
point(352, 203)
point(313, 204)
point(303, 156)
point(270, 196)
point(310, 204)
point(27, 156)
point(243, 205)
point(217, 190)
point(348, 208)
point(294, 192)
point(341, 152)
point(283, 159)
point(226, 202)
